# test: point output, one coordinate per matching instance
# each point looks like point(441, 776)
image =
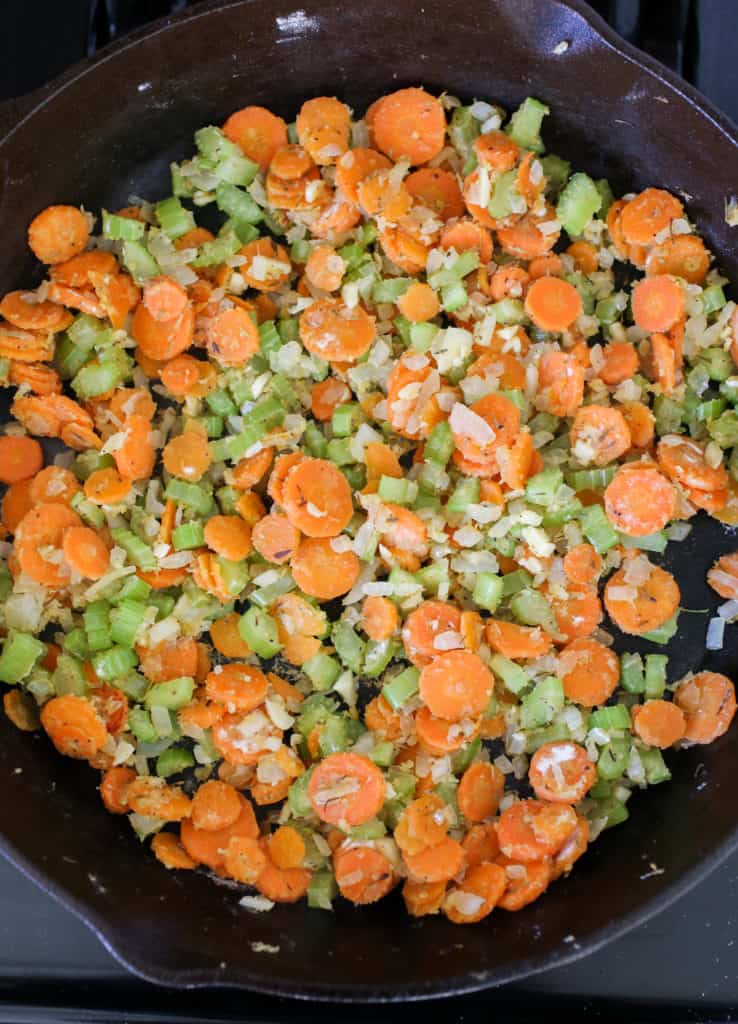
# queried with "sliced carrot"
point(323, 127)
point(20, 458)
point(621, 362)
point(208, 846)
point(480, 791)
point(530, 830)
point(549, 265)
point(553, 304)
point(164, 298)
point(75, 272)
point(299, 625)
point(363, 875)
point(723, 576)
point(641, 423)
point(162, 579)
point(404, 248)
point(39, 535)
point(23, 310)
point(509, 281)
point(683, 461)
point(162, 340)
point(239, 743)
point(250, 507)
point(258, 132)
point(561, 383)
point(523, 887)
point(524, 238)
point(423, 625)
point(42, 380)
point(346, 788)
point(215, 806)
point(572, 850)
point(380, 460)
point(135, 458)
point(106, 487)
point(86, 552)
point(497, 151)
point(456, 685)
point(291, 162)
point(58, 233)
point(584, 255)
point(113, 788)
point(181, 375)
point(599, 435)
point(232, 337)
point(658, 302)
point(83, 299)
point(437, 863)
point(578, 613)
point(168, 659)
point(16, 502)
point(485, 884)
point(316, 498)
point(708, 703)
point(648, 214)
point(74, 726)
point(419, 303)
point(169, 851)
point(436, 190)
point(381, 718)
point(250, 470)
point(326, 396)
point(282, 885)
point(643, 607)
point(441, 736)
point(422, 898)
point(640, 501)
point(118, 295)
point(517, 642)
point(590, 672)
point(354, 167)
point(683, 256)
point(410, 124)
point(582, 564)
point(238, 686)
point(322, 572)
point(379, 617)
point(481, 844)
point(561, 772)
point(659, 723)
point(502, 417)
point(275, 538)
point(331, 330)
point(464, 235)
point(229, 536)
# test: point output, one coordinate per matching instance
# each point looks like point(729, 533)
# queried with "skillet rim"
point(473, 981)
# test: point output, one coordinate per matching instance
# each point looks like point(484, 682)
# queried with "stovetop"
point(682, 965)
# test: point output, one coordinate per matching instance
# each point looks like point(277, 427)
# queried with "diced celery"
point(531, 608)
point(488, 591)
point(173, 218)
point(664, 633)
point(541, 704)
point(322, 670)
point(173, 761)
point(379, 653)
point(655, 675)
point(172, 694)
point(556, 172)
point(655, 766)
point(349, 645)
point(541, 489)
point(613, 758)
point(525, 124)
point(515, 678)
point(20, 653)
point(614, 716)
point(401, 687)
point(578, 203)
point(631, 673)
point(597, 529)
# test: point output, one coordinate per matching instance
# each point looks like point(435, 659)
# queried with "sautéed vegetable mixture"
point(370, 432)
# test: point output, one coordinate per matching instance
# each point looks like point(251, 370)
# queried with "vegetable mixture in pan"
point(353, 481)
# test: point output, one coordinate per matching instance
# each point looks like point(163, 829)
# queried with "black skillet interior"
point(110, 130)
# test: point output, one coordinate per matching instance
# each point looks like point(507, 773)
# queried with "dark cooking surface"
point(685, 957)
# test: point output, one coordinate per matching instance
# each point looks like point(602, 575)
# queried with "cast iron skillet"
point(110, 128)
